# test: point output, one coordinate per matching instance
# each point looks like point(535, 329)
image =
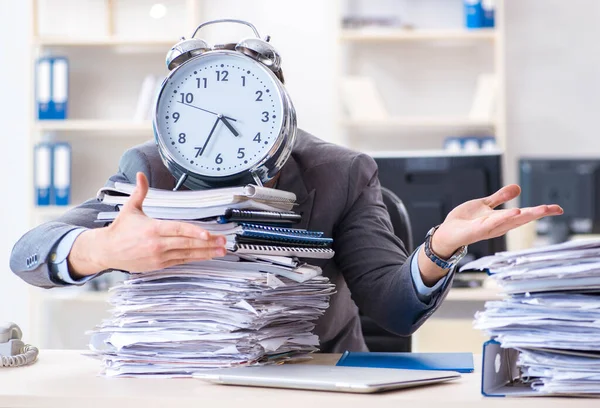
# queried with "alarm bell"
point(261, 51)
point(253, 47)
point(184, 50)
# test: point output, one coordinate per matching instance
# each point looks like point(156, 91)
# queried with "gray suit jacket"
point(338, 192)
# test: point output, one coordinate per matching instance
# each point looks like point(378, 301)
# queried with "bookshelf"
point(425, 76)
point(106, 69)
point(399, 35)
point(112, 128)
point(444, 122)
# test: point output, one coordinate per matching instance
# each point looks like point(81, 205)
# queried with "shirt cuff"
point(59, 264)
point(424, 292)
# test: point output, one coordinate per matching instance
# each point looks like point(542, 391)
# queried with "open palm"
point(477, 220)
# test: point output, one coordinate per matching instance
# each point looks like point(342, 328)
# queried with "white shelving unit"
point(389, 55)
point(100, 133)
point(448, 122)
point(93, 125)
point(397, 35)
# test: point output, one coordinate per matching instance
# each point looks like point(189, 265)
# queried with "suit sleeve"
point(30, 257)
point(374, 262)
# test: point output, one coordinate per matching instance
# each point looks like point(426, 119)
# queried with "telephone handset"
point(13, 352)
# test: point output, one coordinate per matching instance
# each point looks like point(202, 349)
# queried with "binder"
point(473, 14)
point(43, 173)
point(61, 174)
point(460, 362)
point(500, 375)
point(52, 88)
point(60, 87)
point(43, 89)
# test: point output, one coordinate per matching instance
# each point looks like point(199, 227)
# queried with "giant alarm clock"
point(222, 115)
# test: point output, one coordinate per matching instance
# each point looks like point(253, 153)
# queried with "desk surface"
point(68, 379)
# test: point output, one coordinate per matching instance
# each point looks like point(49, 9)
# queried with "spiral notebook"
point(262, 234)
point(315, 253)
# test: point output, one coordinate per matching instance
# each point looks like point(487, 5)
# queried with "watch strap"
point(445, 264)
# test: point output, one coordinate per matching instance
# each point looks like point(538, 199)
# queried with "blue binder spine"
point(60, 87)
point(61, 180)
point(42, 173)
point(43, 88)
point(473, 14)
point(52, 88)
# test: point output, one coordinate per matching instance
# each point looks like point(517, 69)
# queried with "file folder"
point(43, 88)
point(43, 173)
point(60, 87)
point(460, 362)
point(52, 87)
point(61, 178)
point(500, 375)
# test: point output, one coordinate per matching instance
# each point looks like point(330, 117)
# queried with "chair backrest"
point(399, 216)
point(376, 337)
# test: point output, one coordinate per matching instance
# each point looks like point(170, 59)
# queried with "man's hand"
point(476, 220)
point(136, 243)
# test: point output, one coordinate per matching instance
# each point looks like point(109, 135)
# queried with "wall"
point(552, 79)
point(14, 114)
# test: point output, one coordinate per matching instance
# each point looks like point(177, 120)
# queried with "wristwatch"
point(442, 263)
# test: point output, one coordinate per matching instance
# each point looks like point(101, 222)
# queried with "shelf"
point(417, 121)
point(388, 35)
point(93, 125)
point(103, 42)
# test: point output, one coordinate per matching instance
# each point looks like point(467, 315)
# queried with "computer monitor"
point(431, 184)
point(574, 184)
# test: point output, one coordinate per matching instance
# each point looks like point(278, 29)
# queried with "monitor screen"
point(431, 185)
point(570, 183)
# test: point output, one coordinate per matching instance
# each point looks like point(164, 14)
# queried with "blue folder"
point(461, 362)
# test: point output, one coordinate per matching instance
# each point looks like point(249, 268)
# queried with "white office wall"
point(305, 33)
point(14, 162)
point(552, 79)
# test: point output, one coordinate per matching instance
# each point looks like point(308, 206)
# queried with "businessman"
point(338, 192)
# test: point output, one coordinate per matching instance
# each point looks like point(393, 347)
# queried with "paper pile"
point(551, 314)
point(256, 305)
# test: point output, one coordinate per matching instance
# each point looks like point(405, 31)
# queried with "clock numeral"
point(198, 151)
point(182, 138)
point(218, 159)
point(259, 97)
point(241, 154)
point(257, 138)
point(175, 116)
point(202, 81)
point(265, 117)
point(222, 76)
point(187, 97)
point(243, 80)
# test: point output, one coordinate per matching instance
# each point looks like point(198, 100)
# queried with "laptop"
point(326, 378)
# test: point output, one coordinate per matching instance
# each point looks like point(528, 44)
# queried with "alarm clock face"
point(219, 114)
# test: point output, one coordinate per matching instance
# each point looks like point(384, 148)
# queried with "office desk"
point(68, 379)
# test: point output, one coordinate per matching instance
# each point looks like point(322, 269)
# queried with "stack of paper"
point(256, 305)
point(551, 314)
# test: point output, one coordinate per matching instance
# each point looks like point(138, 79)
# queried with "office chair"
point(376, 337)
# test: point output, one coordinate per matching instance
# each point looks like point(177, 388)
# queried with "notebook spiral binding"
point(294, 231)
point(301, 252)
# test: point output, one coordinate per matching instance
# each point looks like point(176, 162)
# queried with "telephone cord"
point(27, 356)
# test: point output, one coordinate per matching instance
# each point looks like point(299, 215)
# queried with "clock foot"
point(180, 182)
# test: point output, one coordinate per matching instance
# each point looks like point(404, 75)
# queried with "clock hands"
point(209, 136)
point(211, 112)
point(226, 122)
